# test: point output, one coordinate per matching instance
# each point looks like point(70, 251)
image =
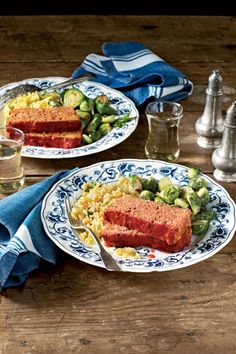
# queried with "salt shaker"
point(224, 157)
point(210, 125)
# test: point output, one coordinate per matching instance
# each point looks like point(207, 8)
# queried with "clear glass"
point(11, 170)
point(163, 130)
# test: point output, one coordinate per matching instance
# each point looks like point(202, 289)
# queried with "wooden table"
point(77, 308)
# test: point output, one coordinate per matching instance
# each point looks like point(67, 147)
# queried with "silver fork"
point(77, 225)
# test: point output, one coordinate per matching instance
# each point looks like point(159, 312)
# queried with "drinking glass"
point(163, 130)
point(11, 171)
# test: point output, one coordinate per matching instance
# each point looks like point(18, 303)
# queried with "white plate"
point(54, 219)
point(91, 89)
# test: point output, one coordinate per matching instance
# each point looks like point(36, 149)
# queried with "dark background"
point(119, 7)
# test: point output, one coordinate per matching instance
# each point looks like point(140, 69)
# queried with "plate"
point(220, 232)
point(121, 103)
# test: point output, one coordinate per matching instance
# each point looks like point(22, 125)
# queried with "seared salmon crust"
point(160, 221)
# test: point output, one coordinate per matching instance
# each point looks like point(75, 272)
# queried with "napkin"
point(23, 241)
point(136, 71)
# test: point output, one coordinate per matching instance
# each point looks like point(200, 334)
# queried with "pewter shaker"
point(224, 157)
point(211, 124)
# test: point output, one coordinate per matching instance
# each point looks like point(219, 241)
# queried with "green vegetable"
point(159, 200)
point(118, 123)
point(169, 193)
point(104, 129)
point(53, 103)
point(102, 105)
point(84, 117)
point(181, 202)
point(203, 195)
point(72, 98)
point(135, 182)
point(205, 214)
point(197, 183)
point(94, 123)
point(108, 119)
point(194, 202)
point(150, 184)
point(193, 172)
point(87, 105)
point(185, 191)
point(95, 135)
point(148, 195)
point(86, 139)
point(164, 182)
point(200, 227)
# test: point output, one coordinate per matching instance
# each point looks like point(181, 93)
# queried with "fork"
point(24, 88)
point(77, 225)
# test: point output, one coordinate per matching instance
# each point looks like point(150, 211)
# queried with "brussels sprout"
point(181, 202)
point(135, 182)
point(95, 135)
point(200, 227)
point(87, 105)
point(203, 215)
point(193, 172)
point(164, 182)
point(108, 119)
point(197, 182)
point(204, 195)
point(84, 117)
point(83, 114)
point(170, 193)
point(102, 99)
point(102, 105)
point(185, 191)
point(148, 195)
point(94, 123)
point(194, 202)
point(86, 139)
point(72, 97)
point(118, 123)
point(159, 200)
point(150, 184)
point(104, 129)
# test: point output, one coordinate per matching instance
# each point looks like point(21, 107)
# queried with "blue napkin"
point(137, 72)
point(23, 241)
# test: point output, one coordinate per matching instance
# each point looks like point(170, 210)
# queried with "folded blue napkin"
point(137, 72)
point(23, 241)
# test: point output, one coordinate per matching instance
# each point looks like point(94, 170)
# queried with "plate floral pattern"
point(121, 103)
point(55, 222)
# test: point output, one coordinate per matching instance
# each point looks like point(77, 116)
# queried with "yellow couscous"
point(94, 200)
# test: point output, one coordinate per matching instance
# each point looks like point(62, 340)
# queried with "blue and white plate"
point(54, 219)
point(121, 103)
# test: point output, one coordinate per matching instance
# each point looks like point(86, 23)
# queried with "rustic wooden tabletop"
point(78, 308)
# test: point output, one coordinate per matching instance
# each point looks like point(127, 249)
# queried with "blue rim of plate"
point(55, 223)
point(92, 89)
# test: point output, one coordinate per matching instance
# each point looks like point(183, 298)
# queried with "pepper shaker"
point(224, 157)
point(210, 125)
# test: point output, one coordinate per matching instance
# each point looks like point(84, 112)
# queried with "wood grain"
point(77, 308)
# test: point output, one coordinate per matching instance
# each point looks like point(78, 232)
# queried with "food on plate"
point(66, 140)
point(44, 120)
point(120, 236)
point(120, 214)
point(155, 220)
point(63, 112)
